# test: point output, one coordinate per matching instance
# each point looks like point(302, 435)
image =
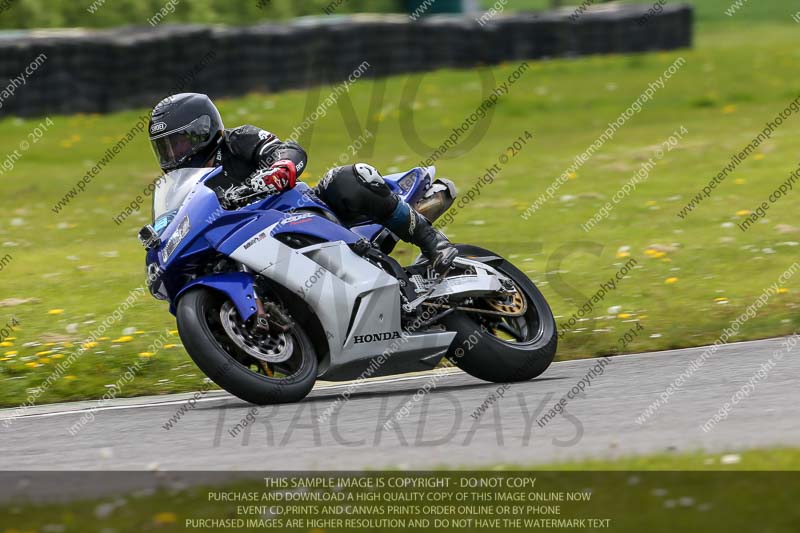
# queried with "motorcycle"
point(272, 293)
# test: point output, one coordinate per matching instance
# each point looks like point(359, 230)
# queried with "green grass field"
point(706, 11)
point(64, 274)
point(769, 460)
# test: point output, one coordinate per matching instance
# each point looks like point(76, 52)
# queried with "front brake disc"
point(264, 347)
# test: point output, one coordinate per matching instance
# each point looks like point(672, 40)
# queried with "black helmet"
point(185, 129)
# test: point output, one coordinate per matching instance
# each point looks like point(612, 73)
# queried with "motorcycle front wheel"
point(516, 343)
point(259, 367)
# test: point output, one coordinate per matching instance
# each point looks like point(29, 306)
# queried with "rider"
point(186, 131)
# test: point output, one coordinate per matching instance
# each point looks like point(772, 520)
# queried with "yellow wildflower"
point(165, 518)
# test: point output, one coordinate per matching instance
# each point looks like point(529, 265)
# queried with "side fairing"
point(357, 303)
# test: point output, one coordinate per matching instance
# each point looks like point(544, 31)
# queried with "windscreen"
point(171, 191)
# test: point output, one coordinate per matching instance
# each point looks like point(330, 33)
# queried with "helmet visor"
point(174, 148)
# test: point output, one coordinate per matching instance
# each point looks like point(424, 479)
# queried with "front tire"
point(479, 351)
point(244, 376)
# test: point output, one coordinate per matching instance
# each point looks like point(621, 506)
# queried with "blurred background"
point(62, 13)
point(87, 74)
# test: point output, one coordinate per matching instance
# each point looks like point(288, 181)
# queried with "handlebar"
point(235, 197)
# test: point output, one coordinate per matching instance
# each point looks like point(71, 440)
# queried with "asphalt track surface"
point(439, 429)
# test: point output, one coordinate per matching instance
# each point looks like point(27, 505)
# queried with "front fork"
point(269, 316)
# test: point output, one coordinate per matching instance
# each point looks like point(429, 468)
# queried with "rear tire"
point(221, 362)
point(483, 355)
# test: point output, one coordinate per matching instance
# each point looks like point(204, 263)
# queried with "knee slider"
point(367, 174)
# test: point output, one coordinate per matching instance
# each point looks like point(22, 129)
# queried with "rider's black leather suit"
point(247, 148)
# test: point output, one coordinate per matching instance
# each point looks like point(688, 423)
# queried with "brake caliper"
point(513, 304)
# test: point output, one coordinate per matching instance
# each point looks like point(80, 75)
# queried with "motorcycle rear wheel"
point(504, 349)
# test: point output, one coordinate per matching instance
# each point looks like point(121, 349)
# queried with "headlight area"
point(175, 239)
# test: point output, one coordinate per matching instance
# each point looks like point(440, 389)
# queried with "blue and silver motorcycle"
point(272, 293)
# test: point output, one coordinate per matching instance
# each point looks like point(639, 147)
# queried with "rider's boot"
point(414, 228)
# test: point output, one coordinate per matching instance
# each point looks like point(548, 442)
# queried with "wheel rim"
point(512, 305)
point(254, 354)
point(521, 324)
point(267, 348)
